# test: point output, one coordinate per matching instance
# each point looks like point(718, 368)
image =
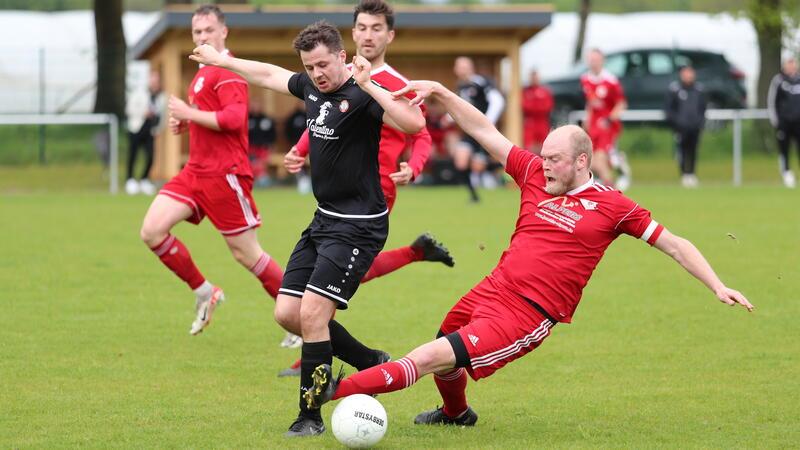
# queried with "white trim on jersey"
point(235, 80)
point(602, 76)
point(326, 293)
point(648, 232)
point(352, 216)
point(626, 216)
point(582, 187)
point(249, 217)
point(537, 335)
point(528, 168)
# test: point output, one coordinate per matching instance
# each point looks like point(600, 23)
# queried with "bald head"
point(790, 66)
point(567, 155)
point(573, 138)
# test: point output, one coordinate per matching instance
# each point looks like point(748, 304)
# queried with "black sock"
point(313, 354)
point(349, 349)
point(465, 178)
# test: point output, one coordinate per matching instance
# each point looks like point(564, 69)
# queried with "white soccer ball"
point(359, 421)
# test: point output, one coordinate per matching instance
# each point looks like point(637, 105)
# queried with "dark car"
point(645, 75)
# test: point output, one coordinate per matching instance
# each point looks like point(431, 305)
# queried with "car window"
point(659, 63)
point(616, 64)
point(636, 65)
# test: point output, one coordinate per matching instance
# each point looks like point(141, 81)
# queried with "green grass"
point(94, 349)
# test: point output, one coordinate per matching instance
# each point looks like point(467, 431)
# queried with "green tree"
point(111, 57)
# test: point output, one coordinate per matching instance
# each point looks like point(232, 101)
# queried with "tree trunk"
point(766, 18)
point(111, 57)
point(583, 13)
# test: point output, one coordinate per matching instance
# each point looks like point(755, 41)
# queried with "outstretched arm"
point(690, 258)
point(469, 118)
point(398, 113)
point(268, 76)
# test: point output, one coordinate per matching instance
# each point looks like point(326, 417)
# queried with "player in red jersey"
point(373, 31)
point(566, 221)
point(537, 104)
point(605, 102)
point(216, 182)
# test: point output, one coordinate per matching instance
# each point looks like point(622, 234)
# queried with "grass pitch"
point(95, 350)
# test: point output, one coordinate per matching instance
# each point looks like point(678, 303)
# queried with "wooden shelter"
point(427, 41)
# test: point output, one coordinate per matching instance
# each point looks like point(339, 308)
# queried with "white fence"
point(78, 119)
point(734, 115)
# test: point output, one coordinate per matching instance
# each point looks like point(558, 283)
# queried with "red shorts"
point(227, 200)
point(496, 325)
point(604, 139)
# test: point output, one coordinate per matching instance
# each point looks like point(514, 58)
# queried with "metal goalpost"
point(78, 119)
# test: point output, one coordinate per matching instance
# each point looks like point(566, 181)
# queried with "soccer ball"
point(359, 421)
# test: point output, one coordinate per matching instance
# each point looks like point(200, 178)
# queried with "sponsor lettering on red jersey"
point(221, 152)
point(559, 240)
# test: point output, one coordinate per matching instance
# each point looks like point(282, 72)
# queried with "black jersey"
point(344, 131)
point(481, 93)
point(783, 101)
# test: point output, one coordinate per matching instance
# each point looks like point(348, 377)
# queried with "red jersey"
point(221, 152)
point(603, 92)
point(537, 102)
point(393, 141)
point(559, 240)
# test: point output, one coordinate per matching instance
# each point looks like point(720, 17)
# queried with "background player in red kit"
point(566, 222)
point(373, 31)
point(216, 182)
point(537, 104)
point(605, 102)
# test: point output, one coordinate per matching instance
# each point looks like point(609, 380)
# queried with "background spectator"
point(783, 102)
point(537, 104)
point(686, 114)
point(145, 120)
point(261, 135)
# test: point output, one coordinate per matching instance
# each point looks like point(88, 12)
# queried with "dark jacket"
point(783, 101)
point(685, 106)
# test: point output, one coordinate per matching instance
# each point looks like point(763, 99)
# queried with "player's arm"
point(620, 106)
point(183, 113)
point(690, 258)
point(465, 115)
point(421, 144)
point(295, 159)
point(397, 113)
point(265, 75)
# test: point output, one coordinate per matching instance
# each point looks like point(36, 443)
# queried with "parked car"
point(645, 75)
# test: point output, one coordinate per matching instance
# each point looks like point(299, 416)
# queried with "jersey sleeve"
point(232, 93)
point(302, 144)
point(636, 221)
point(521, 164)
point(297, 84)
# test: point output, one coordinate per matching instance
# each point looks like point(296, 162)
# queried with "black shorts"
point(333, 255)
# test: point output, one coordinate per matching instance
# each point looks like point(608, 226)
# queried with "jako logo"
point(334, 288)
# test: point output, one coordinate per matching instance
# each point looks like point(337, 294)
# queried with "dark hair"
point(317, 33)
point(375, 8)
point(205, 10)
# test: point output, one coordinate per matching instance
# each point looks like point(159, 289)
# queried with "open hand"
point(733, 297)
point(422, 88)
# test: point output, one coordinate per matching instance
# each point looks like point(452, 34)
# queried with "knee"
point(288, 319)
point(151, 235)
point(240, 256)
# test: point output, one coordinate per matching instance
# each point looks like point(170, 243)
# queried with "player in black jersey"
point(469, 158)
point(345, 115)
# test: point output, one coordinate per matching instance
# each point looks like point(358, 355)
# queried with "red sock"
point(269, 273)
point(387, 377)
point(390, 260)
point(453, 388)
point(176, 256)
